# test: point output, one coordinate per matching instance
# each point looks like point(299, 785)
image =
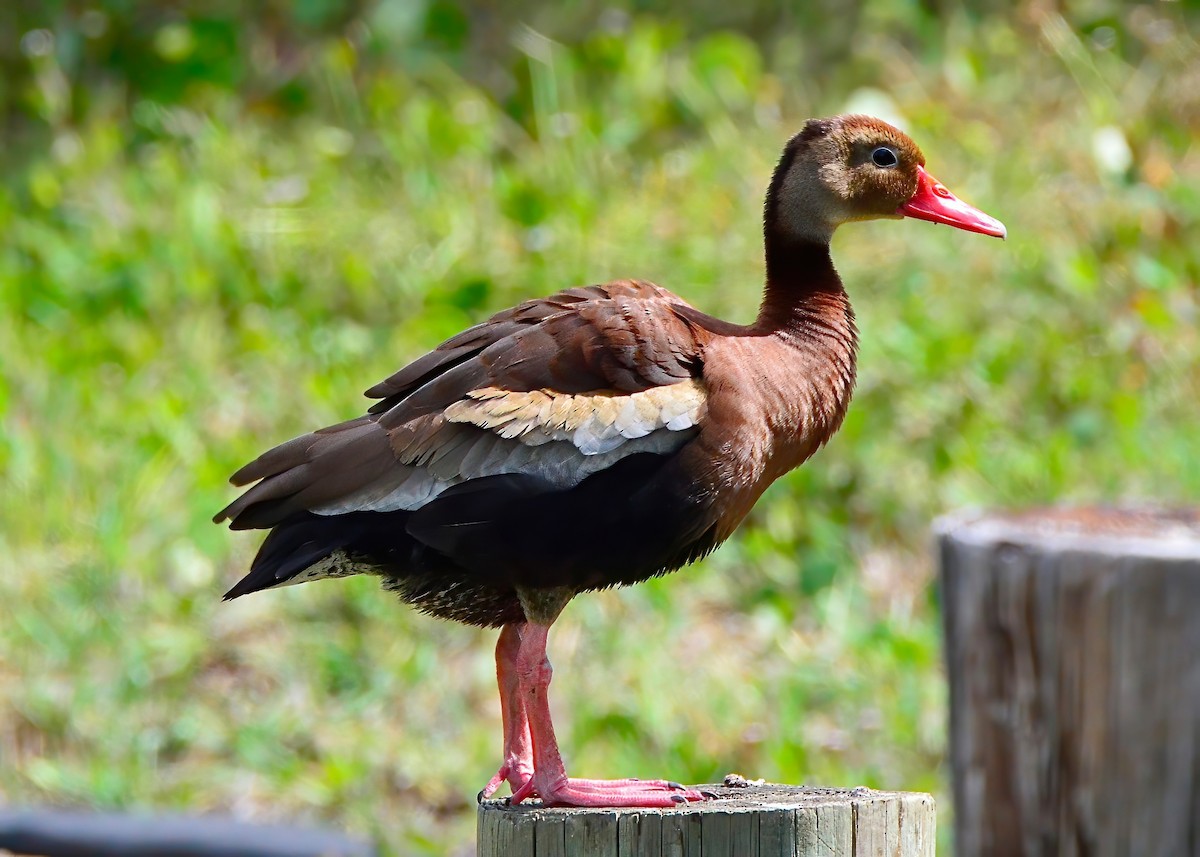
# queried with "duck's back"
point(540, 448)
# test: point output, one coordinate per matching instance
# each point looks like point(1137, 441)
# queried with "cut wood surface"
point(753, 820)
point(1073, 653)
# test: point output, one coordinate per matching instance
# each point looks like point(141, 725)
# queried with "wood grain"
point(1073, 652)
point(752, 821)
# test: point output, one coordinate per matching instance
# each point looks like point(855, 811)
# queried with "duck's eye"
point(884, 157)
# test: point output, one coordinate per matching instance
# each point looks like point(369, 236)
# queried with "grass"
point(187, 283)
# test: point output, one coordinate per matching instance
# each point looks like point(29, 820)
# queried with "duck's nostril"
point(935, 203)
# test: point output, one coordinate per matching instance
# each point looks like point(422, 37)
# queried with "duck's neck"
point(804, 296)
point(791, 375)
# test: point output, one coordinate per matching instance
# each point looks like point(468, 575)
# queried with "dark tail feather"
point(294, 545)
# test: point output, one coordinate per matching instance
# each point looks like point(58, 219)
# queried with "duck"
point(598, 437)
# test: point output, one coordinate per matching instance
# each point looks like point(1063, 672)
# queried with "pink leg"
point(517, 767)
point(550, 779)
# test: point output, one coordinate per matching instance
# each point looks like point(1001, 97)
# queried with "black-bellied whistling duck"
point(600, 436)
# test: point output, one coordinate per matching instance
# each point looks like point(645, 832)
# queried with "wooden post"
point(1073, 651)
point(749, 820)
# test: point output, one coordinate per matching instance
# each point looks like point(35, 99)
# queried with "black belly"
point(464, 555)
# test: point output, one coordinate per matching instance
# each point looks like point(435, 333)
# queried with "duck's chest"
point(772, 402)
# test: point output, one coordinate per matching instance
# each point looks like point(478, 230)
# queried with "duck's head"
point(859, 168)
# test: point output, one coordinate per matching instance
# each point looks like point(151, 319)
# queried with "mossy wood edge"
point(757, 820)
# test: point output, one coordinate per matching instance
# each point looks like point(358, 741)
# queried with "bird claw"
point(618, 793)
point(513, 771)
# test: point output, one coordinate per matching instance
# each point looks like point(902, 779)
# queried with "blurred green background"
point(220, 221)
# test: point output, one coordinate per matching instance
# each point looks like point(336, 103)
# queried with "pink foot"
point(531, 750)
point(516, 772)
point(567, 791)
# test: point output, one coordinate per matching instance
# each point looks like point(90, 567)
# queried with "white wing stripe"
point(555, 436)
point(595, 423)
point(558, 462)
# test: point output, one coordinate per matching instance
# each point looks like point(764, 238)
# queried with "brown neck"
point(786, 385)
point(802, 288)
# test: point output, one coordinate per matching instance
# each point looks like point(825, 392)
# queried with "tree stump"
point(1073, 652)
point(746, 820)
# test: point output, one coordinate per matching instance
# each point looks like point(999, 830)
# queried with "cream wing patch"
point(558, 437)
point(595, 423)
point(411, 485)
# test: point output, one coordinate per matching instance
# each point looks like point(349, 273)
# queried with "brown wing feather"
point(623, 337)
point(475, 339)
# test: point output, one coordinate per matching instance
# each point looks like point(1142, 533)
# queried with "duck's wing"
point(547, 393)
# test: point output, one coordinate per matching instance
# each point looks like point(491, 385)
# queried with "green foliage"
point(219, 228)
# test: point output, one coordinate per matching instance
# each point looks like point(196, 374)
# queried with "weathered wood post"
point(1073, 651)
point(750, 820)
